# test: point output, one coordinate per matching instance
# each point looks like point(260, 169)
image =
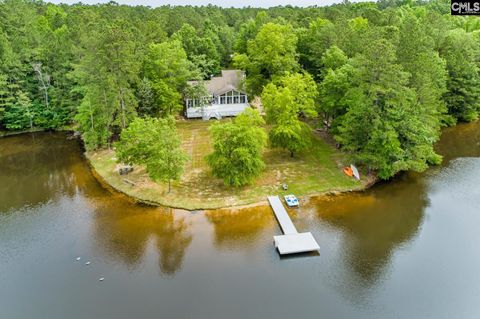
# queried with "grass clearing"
point(315, 171)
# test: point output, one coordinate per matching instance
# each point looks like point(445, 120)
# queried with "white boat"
point(356, 174)
point(291, 201)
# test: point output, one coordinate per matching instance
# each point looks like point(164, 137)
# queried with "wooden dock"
point(291, 242)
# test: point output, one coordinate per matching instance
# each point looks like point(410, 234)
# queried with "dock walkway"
point(282, 215)
point(291, 242)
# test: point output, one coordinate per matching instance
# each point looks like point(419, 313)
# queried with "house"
point(226, 97)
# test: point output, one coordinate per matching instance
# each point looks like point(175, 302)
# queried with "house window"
point(231, 97)
point(189, 103)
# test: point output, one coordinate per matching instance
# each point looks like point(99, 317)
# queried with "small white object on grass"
point(87, 263)
point(78, 258)
point(101, 279)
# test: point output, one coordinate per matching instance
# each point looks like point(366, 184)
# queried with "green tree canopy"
point(20, 115)
point(284, 101)
point(270, 54)
point(168, 69)
point(336, 73)
point(320, 35)
point(154, 143)
point(237, 148)
point(383, 126)
point(107, 75)
point(97, 66)
point(460, 50)
point(202, 51)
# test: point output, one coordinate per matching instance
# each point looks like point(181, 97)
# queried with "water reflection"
point(374, 260)
point(124, 232)
point(462, 140)
point(376, 223)
point(33, 174)
point(45, 168)
point(239, 227)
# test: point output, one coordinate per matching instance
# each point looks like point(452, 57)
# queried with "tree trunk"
point(169, 185)
point(43, 81)
point(291, 153)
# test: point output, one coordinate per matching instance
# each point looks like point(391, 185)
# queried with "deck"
point(291, 242)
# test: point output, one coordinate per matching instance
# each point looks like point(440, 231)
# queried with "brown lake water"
point(409, 248)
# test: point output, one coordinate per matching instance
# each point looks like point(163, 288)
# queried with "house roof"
point(229, 80)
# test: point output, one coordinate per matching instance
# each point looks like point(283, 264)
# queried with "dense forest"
point(382, 77)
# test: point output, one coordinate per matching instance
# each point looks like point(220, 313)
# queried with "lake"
point(408, 248)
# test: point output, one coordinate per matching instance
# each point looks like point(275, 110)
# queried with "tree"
point(168, 69)
point(15, 48)
point(273, 51)
point(332, 92)
point(237, 149)
point(5, 95)
point(383, 127)
point(52, 65)
point(155, 143)
point(333, 58)
point(107, 75)
point(291, 134)
point(94, 117)
point(460, 51)
point(118, 60)
point(417, 55)
point(389, 75)
point(222, 36)
point(314, 41)
point(284, 101)
point(269, 55)
point(19, 115)
point(294, 93)
point(202, 51)
point(146, 98)
point(43, 80)
point(248, 31)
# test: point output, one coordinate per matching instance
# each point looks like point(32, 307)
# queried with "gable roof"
point(228, 81)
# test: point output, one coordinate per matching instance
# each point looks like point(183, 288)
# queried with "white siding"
point(216, 110)
point(230, 103)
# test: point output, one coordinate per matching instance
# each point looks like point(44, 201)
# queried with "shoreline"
point(66, 128)
point(13, 133)
point(316, 172)
point(110, 186)
point(113, 184)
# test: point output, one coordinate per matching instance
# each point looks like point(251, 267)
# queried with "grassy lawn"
point(315, 171)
